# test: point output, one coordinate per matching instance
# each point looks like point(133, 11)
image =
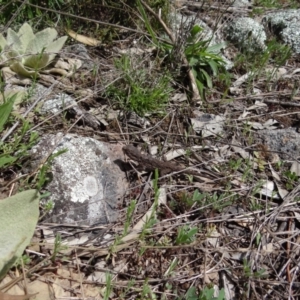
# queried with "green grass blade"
point(6, 159)
point(147, 22)
point(5, 110)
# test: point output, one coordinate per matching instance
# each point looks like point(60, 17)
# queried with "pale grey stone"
point(87, 180)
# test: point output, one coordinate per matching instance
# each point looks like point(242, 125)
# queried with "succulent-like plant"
point(26, 53)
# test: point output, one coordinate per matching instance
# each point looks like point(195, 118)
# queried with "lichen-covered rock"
point(286, 26)
point(87, 180)
point(246, 34)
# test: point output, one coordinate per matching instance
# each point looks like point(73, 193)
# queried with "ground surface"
point(235, 227)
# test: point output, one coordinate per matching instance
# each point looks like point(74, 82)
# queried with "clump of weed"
point(139, 90)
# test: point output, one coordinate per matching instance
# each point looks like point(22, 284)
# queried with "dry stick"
point(195, 91)
point(282, 103)
point(288, 250)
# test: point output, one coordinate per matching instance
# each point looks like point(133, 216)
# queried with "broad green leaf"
point(5, 110)
point(37, 61)
point(213, 66)
point(13, 40)
point(18, 218)
point(193, 61)
point(195, 30)
point(216, 48)
point(41, 40)
point(11, 53)
point(207, 78)
point(26, 52)
point(200, 88)
point(2, 42)
point(6, 160)
point(25, 34)
point(17, 96)
point(55, 47)
point(20, 69)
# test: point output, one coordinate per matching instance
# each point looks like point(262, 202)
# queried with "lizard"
point(150, 163)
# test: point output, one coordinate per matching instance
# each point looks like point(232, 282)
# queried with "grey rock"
point(87, 181)
point(79, 51)
point(246, 34)
point(242, 3)
point(286, 26)
point(53, 103)
point(285, 141)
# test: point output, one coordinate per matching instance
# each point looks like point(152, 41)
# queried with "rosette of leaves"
point(27, 53)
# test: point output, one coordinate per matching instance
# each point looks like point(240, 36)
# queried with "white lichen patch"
point(91, 185)
point(87, 183)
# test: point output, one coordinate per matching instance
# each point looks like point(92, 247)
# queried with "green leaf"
point(192, 232)
point(41, 40)
point(26, 35)
point(37, 61)
point(55, 47)
point(2, 42)
point(216, 48)
point(13, 40)
point(5, 110)
point(196, 29)
point(191, 294)
point(18, 218)
point(200, 87)
point(193, 61)
point(147, 22)
point(20, 69)
point(11, 53)
point(207, 78)
point(6, 160)
point(214, 66)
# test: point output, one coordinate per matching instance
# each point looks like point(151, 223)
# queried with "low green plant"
point(109, 287)
point(23, 260)
point(235, 164)
point(58, 246)
point(205, 294)
point(216, 200)
point(127, 289)
point(49, 205)
point(27, 53)
point(138, 90)
point(146, 292)
point(151, 221)
point(247, 169)
point(291, 179)
point(249, 273)
point(186, 235)
point(129, 214)
point(171, 267)
point(204, 59)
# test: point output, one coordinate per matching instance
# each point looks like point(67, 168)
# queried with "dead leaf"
point(82, 38)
